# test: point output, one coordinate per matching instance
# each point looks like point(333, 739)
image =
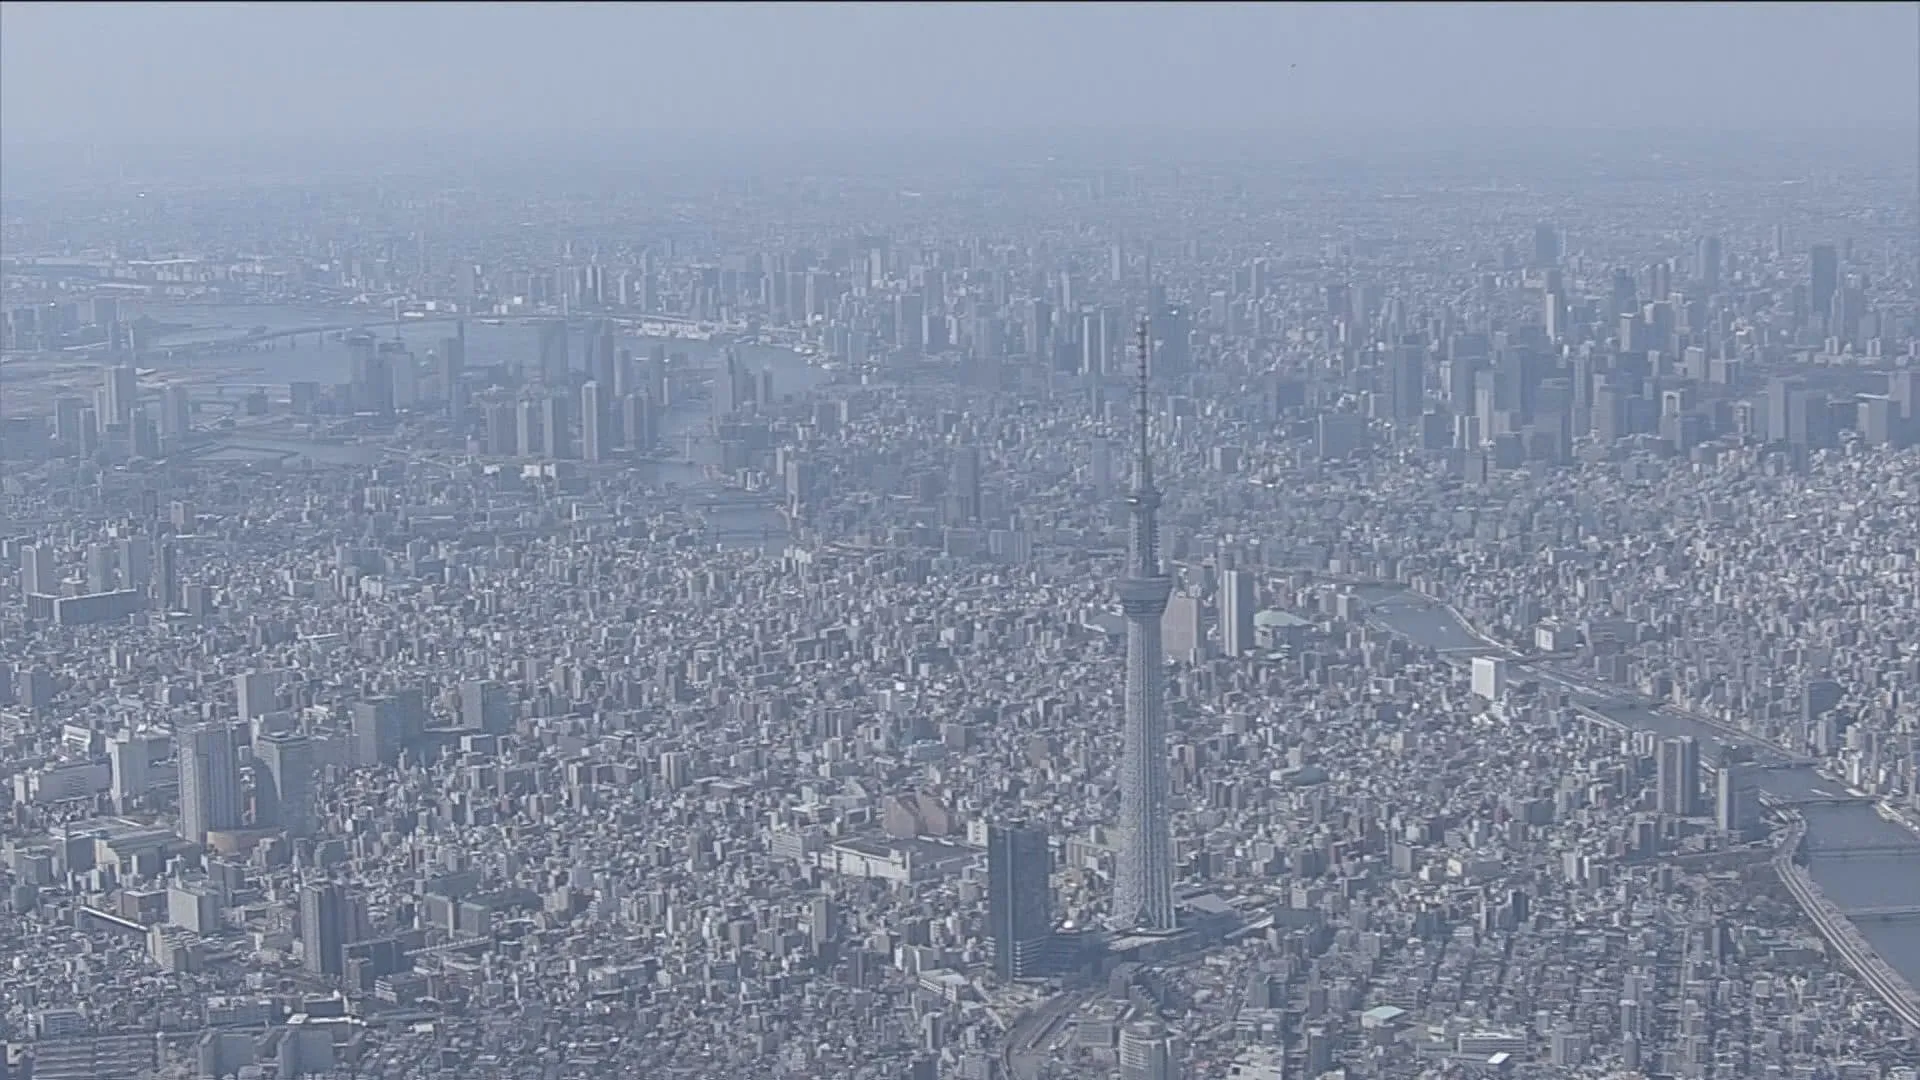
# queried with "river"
point(1882, 880)
point(326, 361)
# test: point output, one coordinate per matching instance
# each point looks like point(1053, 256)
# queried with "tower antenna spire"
point(1143, 464)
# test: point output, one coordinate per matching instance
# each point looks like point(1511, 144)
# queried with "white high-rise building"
point(1678, 777)
point(1147, 1052)
point(132, 756)
point(593, 411)
point(39, 573)
point(1236, 612)
point(1489, 677)
point(120, 394)
point(136, 563)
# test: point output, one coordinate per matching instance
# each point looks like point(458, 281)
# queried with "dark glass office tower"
point(283, 782)
point(324, 928)
point(1824, 278)
point(1019, 900)
point(1546, 245)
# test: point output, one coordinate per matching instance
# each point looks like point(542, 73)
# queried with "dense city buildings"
point(1059, 613)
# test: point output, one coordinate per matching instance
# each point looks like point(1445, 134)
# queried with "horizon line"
point(1346, 132)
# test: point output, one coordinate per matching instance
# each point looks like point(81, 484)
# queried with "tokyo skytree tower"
point(1143, 900)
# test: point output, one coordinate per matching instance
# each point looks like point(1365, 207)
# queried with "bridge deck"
point(1891, 913)
point(1864, 851)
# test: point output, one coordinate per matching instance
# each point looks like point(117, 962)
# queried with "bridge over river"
point(260, 337)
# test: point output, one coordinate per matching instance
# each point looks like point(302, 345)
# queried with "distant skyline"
point(130, 74)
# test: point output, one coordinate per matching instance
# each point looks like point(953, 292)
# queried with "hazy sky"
point(105, 73)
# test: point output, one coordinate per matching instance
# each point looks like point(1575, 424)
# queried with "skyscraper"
point(1236, 612)
point(38, 571)
point(1019, 900)
point(122, 393)
point(283, 785)
point(1406, 387)
point(1144, 895)
point(166, 582)
point(453, 363)
point(135, 555)
point(385, 726)
point(637, 423)
point(1736, 807)
point(176, 418)
point(101, 575)
point(966, 483)
point(1172, 328)
point(654, 376)
point(324, 926)
point(554, 361)
point(1679, 776)
point(1546, 245)
point(605, 361)
point(726, 386)
point(370, 373)
point(554, 422)
point(209, 781)
point(485, 706)
point(531, 437)
point(593, 416)
point(1707, 263)
point(1823, 279)
point(253, 694)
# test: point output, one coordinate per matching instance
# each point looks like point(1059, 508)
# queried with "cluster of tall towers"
point(617, 405)
point(212, 798)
